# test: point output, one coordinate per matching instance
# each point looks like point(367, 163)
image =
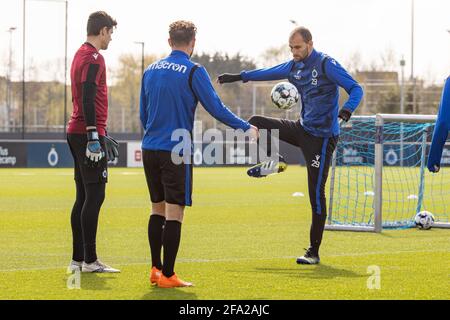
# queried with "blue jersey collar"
point(179, 53)
point(311, 57)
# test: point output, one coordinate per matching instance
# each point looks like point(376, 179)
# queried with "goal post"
point(379, 177)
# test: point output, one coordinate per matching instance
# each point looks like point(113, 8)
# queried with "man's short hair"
point(304, 32)
point(182, 32)
point(97, 21)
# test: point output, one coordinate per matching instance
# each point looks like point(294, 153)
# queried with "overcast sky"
point(339, 27)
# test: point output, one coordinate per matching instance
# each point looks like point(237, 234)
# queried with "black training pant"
point(318, 153)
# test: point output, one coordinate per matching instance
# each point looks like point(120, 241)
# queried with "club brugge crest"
point(53, 157)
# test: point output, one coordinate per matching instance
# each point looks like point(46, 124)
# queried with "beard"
point(302, 56)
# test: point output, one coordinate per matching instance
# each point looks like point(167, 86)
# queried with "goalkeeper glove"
point(228, 78)
point(112, 148)
point(94, 151)
point(345, 115)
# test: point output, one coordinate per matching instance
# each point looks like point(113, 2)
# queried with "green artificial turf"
point(239, 241)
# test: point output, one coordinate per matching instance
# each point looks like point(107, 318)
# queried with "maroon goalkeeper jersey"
point(88, 66)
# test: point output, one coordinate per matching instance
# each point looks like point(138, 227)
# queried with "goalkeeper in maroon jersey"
point(90, 146)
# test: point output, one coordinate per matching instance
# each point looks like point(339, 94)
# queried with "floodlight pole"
point(402, 106)
point(254, 100)
point(65, 63)
point(23, 71)
point(413, 78)
point(8, 80)
point(402, 86)
point(65, 66)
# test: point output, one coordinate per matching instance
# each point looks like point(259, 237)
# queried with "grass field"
point(239, 241)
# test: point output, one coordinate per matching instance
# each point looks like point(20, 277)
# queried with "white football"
point(424, 220)
point(284, 95)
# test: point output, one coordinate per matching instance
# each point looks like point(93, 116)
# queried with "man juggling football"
point(317, 78)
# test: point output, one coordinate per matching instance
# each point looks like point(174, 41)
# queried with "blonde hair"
point(182, 32)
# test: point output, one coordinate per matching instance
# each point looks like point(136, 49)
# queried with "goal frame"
point(377, 226)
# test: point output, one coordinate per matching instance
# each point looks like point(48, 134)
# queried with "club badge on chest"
point(314, 75)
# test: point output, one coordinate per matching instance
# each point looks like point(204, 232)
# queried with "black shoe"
point(268, 167)
point(310, 257)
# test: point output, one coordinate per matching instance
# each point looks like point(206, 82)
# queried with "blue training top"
point(168, 102)
point(317, 78)
point(441, 128)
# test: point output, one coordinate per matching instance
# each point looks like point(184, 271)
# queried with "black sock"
point(155, 238)
point(316, 232)
point(171, 242)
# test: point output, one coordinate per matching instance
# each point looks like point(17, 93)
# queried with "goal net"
point(379, 177)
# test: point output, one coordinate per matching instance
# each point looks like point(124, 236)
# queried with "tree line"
point(44, 101)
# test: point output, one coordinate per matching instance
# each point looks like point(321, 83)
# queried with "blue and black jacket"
point(171, 89)
point(317, 78)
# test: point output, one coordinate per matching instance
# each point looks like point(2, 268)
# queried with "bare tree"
point(354, 63)
point(388, 59)
point(275, 55)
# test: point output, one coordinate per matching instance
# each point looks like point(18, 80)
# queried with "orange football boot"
point(172, 282)
point(155, 275)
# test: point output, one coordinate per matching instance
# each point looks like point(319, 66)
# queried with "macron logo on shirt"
point(168, 65)
point(95, 55)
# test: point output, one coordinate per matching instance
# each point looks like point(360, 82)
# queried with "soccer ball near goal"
point(284, 95)
point(424, 220)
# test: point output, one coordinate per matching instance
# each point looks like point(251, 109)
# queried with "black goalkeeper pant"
point(84, 220)
point(90, 185)
point(318, 153)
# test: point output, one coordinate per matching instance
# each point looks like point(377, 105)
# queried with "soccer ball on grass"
point(424, 220)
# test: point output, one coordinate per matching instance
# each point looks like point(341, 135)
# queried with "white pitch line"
point(188, 260)
point(127, 173)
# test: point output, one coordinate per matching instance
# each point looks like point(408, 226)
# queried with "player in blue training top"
point(440, 130)
point(171, 88)
point(317, 78)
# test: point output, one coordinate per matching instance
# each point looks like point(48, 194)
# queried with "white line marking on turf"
point(126, 173)
point(188, 260)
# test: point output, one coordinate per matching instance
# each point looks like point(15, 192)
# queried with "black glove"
point(94, 151)
point(229, 77)
point(112, 148)
point(345, 115)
